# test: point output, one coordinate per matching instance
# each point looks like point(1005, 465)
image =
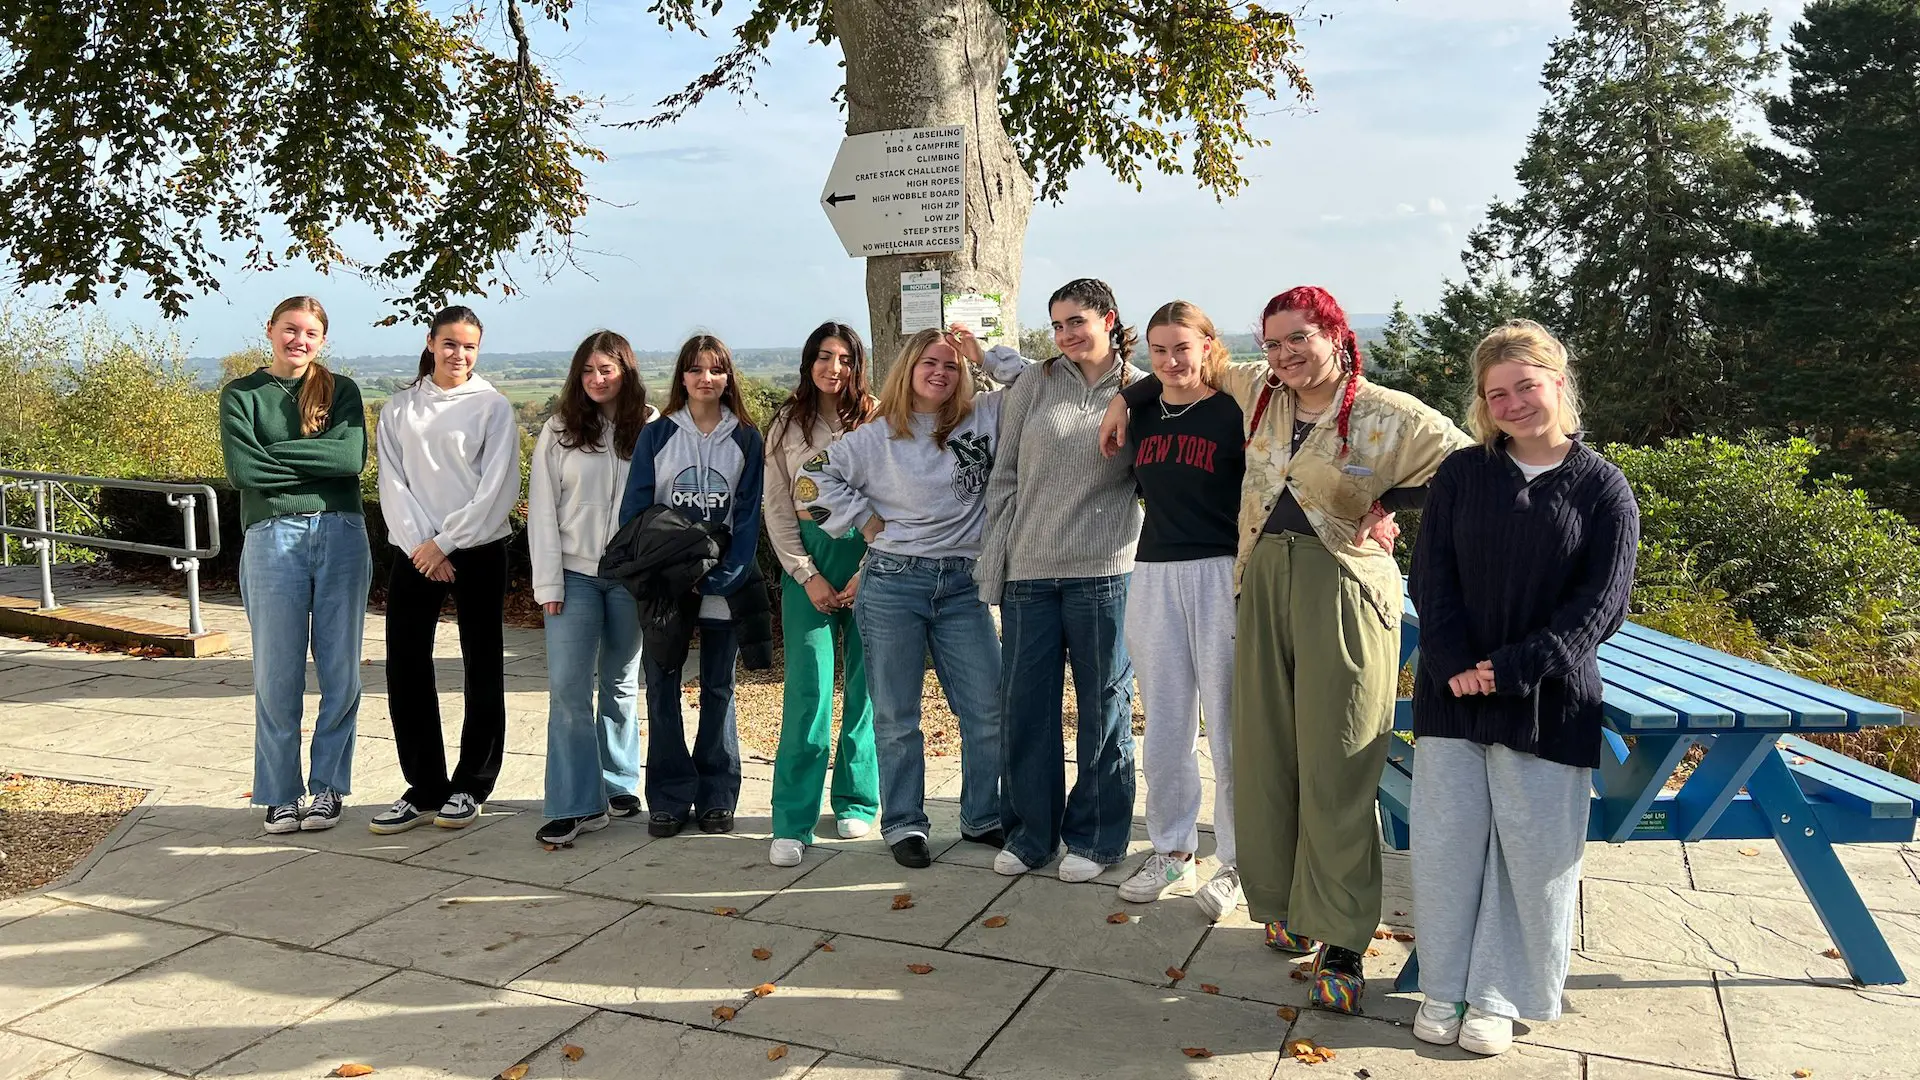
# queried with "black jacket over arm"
point(1532, 576)
point(661, 557)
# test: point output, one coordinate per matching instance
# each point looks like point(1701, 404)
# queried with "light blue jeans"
point(906, 608)
point(592, 755)
point(303, 581)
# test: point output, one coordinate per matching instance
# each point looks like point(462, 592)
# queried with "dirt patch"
point(758, 696)
point(46, 826)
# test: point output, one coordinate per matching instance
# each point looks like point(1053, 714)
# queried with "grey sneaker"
point(284, 818)
point(459, 812)
point(1220, 895)
point(1161, 874)
point(323, 814)
point(398, 818)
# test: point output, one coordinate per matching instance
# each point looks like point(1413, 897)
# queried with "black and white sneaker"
point(323, 814)
point(564, 830)
point(624, 805)
point(460, 812)
point(398, 818)
point(284, 818)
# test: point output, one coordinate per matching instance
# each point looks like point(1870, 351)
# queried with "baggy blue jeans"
point(592, 754)
point(303, 582)
point(908, 607)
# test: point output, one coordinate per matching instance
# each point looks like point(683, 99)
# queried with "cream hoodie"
point(449, 465)
point(573, 507)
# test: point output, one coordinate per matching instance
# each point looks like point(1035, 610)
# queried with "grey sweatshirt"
point(1055, 507)
point(932, 500)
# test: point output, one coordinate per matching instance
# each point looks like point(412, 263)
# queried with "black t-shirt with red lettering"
point(1188, 461)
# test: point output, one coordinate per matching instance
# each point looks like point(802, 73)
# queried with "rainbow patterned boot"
point(1279, 939)
point(1338, 980)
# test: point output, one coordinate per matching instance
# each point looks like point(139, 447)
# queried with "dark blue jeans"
point(680, 782)
point(1046, 626)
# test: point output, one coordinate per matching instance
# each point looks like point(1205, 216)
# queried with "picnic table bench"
point(1757, 781)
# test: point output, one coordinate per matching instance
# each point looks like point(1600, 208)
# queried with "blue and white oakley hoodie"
point(715, 478)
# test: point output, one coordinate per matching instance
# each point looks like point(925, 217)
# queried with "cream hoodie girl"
point(449, 465)
point(573, 507)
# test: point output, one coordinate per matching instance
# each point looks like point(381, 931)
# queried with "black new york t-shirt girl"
point(1188, 461)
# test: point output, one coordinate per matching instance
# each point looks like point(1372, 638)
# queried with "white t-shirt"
point(1532, 472)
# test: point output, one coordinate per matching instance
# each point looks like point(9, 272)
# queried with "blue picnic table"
point(1758, 779)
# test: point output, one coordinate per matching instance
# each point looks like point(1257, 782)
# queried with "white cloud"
point(1436, 207)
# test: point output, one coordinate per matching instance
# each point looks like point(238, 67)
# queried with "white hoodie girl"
point(449, 465)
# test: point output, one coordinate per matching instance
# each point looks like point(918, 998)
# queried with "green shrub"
point(1794, 555)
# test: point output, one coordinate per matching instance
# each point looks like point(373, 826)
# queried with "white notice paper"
point(980, 313)
point(919, 301)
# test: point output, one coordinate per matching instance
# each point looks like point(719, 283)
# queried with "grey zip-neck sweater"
point(1055, 507)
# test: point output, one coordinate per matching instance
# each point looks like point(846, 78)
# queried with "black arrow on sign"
point(835, 200)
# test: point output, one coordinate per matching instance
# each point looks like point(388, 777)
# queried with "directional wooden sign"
point(897, 192)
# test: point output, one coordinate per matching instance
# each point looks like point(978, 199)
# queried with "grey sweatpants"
point(1180, 627)
point(1497, 840)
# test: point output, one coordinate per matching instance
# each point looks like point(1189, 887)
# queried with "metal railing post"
point(190, 565)
point(6, 542)
point(43, 545)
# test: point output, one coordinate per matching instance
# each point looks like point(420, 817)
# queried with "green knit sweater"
point(279, 471)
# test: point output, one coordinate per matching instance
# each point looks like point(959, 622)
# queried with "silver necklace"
point(283, 386)
point(1169, 414)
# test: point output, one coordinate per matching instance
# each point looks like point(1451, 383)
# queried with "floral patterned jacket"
point(1395, 441)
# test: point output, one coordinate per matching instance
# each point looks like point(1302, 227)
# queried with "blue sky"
point(1422, 108)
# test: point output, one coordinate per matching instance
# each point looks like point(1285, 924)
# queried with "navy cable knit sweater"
point(1533, 576)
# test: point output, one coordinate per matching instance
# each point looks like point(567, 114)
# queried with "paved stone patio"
point(198, 946)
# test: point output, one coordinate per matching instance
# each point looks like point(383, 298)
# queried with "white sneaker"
point(1009, 864)
point(1220, 895)
point(1439, 1021)
point(1485, 1033)
point(1160, 874)
point(786, 852)
point(1075, 868)
point(852, 828)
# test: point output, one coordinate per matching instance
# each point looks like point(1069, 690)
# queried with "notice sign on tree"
point(899, 192)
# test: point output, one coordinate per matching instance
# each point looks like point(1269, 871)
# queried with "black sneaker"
point(993, 838)
point(716, 821)
point(323, 814)
point(624, 806)
point(663, 824)
point(913, 853)
point(398, 818)
point(563, 830)
point(284, 818)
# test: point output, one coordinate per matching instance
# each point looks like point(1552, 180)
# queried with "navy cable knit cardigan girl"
point(1533, 576)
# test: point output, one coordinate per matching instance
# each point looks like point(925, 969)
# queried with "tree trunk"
point(933, 63)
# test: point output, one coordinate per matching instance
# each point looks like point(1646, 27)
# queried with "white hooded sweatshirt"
point(449, 465)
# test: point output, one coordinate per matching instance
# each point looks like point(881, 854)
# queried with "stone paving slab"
point(140, 834)
point(278, 904)
point(1664, 1013)
point(60, 952)
point(699, 872)
point(173, 869)
point(19, 907)
point(1778, 1027)
point(1235, 958)
point(95, 1067)
point(1384, 1051)
point(485, 931)
point(618, 1047)
point(860, 999)
point(1058, 925)
point(854, 893)
point(845, 1067)
point(412, 1026)
point(510, 851)
point(1090, 1027)
point(22, 1056)
point(1653, 862)
point(672, 964)
point(351, 837)
point(1880, 871)
point(198, 1006)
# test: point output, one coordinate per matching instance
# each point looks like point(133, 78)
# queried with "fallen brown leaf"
point(724, 1013)
point(1297, 975)
point(1831, 954)
point(1118, 917)
point(1176, 974)
point(763, 990)
point(995, 923)
point(352, 1068)
point(902, 901)
point(1373, 952)
point(777, 1052)
point(1749, 852)
point(729, 912)
point(920, 969)
point(514, 1072)
point(1382, 935)
point(826, 946)
point(1196, 1051)
point(550, 847)
point(1289, 1013)
point(572, 1052)
point(1403, 936)
point(762, 954)
point(1209, 988)
point(1802, 1074)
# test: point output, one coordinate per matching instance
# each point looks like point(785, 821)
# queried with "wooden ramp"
point(19, 615)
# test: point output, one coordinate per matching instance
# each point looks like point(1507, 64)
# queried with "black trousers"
point(479, 591)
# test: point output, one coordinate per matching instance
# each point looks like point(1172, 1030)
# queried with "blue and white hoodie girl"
point(715, 478)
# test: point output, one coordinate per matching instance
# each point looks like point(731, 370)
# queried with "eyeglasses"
point(1293, 342)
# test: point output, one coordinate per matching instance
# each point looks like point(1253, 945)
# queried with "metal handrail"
point(42, 538)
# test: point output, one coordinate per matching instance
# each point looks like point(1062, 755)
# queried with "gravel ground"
point(46, 826)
